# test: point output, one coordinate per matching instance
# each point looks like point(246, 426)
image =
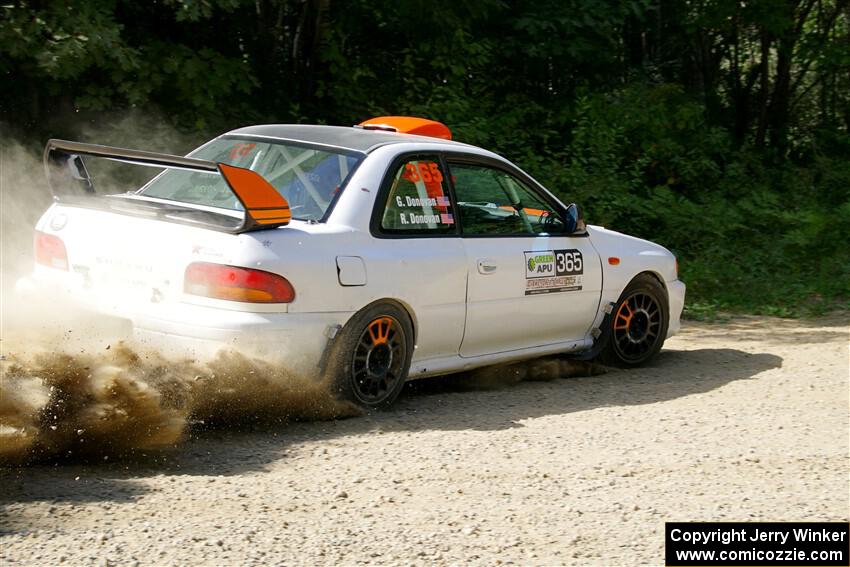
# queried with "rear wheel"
point(638, 323)
point(371, 356)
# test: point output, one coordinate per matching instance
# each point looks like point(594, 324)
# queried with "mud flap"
point(602, 338)
point(331, 333)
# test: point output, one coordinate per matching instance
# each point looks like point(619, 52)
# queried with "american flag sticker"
point(443, 201)
point(446, 218)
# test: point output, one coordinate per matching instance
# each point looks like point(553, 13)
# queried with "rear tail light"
point(236, 284)
point(50, 251)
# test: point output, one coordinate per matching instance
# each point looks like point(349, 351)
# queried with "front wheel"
point(638, 323)
point(371, 356)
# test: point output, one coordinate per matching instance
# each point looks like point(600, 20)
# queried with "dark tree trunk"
point(268, 50)
point(306, 46)
point(781, 99)
point(764, 77)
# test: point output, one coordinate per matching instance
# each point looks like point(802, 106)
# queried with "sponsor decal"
point(552, 271)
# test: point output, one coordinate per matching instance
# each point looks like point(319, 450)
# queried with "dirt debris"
point(120, 401)
point(741, 421)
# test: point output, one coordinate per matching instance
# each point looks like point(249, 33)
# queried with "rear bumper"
point(676, 296)
point(298, 339)
point(199, 331)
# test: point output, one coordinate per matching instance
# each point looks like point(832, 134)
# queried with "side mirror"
point(574, 220)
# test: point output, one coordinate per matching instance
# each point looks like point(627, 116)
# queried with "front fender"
point(623, 258)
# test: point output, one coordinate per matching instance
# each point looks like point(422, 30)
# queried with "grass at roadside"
point(717, 290)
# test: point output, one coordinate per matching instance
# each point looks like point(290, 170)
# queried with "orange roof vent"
point(408, 125)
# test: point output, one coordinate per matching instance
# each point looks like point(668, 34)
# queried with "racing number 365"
point(428, 171)
point(568, 262)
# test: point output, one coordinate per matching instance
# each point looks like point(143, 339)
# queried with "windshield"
point(308, 178)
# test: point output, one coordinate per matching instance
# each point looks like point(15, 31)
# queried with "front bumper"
point(676, 297)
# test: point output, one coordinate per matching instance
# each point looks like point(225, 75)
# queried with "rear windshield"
point(307, 177)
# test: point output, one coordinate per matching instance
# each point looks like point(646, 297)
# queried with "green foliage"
point(718, 129)
point(90, 56)
point(749, 236)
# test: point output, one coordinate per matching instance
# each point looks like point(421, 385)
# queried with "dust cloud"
point(120, 401)
point(76, 386)
point(24, 193)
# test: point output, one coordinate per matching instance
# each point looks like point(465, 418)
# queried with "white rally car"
point(368, 255)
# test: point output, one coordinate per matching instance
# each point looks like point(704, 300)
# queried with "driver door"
point(529, 284)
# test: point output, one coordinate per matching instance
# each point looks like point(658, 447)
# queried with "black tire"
point(370, 358)
point(638, 324)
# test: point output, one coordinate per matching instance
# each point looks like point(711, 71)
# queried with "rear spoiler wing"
point(69, 180)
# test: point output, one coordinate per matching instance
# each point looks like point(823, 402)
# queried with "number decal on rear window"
point(427, 171)
point(418, 201)
point(241, 150)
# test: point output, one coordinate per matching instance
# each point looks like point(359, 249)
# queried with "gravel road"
point(745, 420)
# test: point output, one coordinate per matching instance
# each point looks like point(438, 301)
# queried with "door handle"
point(486, 266)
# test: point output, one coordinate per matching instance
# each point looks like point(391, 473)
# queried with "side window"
point(492, 202)
point(418, 200)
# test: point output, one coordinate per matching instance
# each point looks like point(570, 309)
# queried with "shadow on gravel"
point(66, 486)
point(673, 374)
point(430, 404)
point(670, 368)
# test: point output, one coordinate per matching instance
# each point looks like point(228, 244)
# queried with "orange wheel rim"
point(379, 330)
point(378, 360)
point(624, 317)
point(637, 327)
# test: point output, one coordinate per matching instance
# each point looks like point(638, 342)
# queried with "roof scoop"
point(408, 125)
